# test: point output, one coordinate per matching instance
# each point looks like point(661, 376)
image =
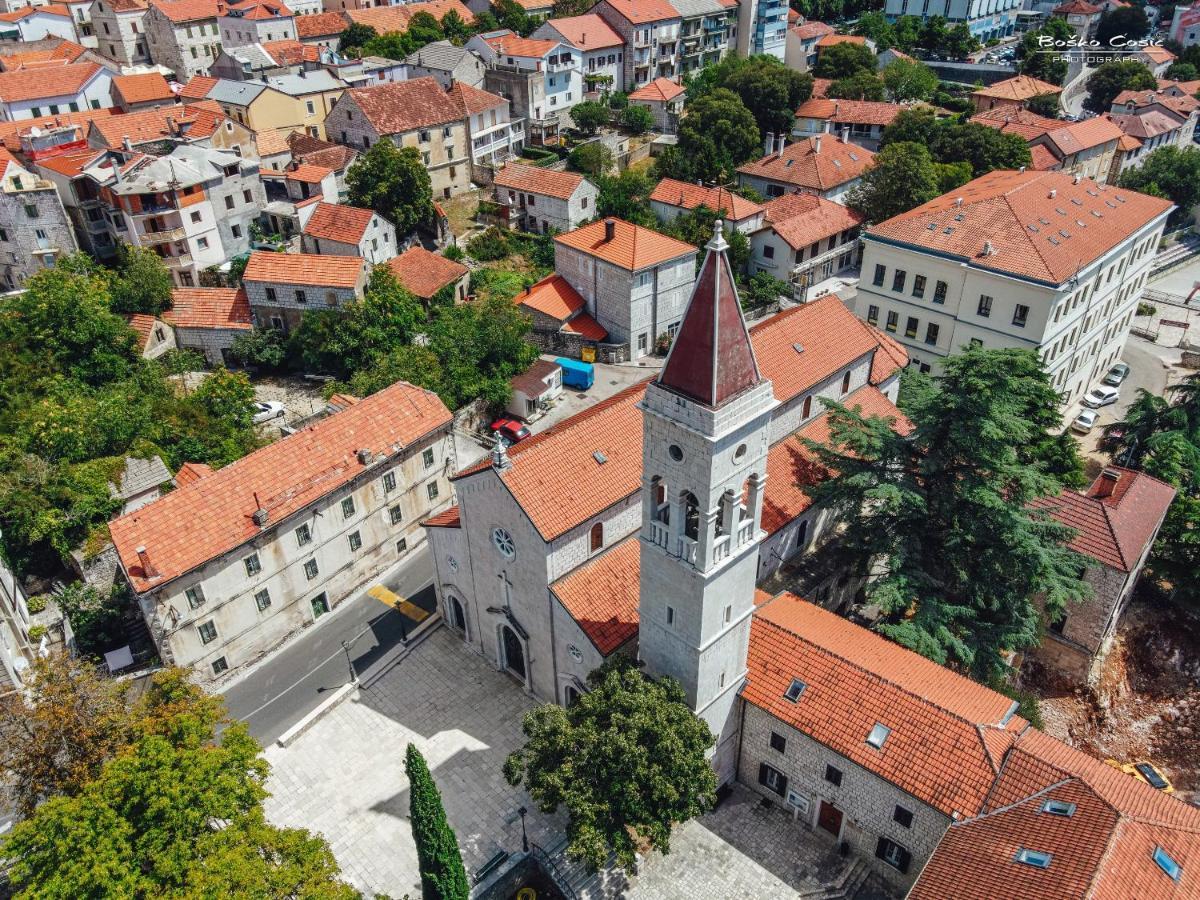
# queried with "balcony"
point(178, 261)
point(169, 235)
point(660, 533)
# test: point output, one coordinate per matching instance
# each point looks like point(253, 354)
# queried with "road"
point(1146, 370)
point(290, 683)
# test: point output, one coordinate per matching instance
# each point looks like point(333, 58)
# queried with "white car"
point(1085, 421)
point(266, 410)
point(1101, 396)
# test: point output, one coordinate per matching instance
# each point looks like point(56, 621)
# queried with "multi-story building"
point(1086, 148)
point(209, 320)
point(1159, 118)
point(762, 28)
point(1082, 16)
point(201, 122)
point(822, 164)
point(255, 22)
point(801, 44)
point(290, 531)
point(148, 90)
point(554, 62)
point(33, 23)
point(803, 240)
point(447, 63)
point(1045, 261)
point(1012, 92)
point(650, 32)
point(183, 35)
point(494, 135)
point(664, 99)
point(544, 201)
point(415, 114)
point(120, 27)
point(281, 287)
point(706, 32)
point(321, 30)
point(334, 229)
point(81, 15)
point(34, 228)
point(17, 652)
point(986, 19)
point(671, 199)
point(50, 90)
point(601, 50)
point(858, 122)
point(1185, 24)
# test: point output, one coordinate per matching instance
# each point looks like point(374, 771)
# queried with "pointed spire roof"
point(712, 359)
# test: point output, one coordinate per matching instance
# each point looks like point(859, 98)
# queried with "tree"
point(512, 16)
point(457, 31)
point(951, 175)
point(906, 80)
point(637, 119)
point(1182, 71)
point(262, 347)
point(97, 618)
point(716, 136)
point(908, 33)
point(1113, 77)
point(227, 397)
point(589, 116)
point(960, 43)
point(1041, 52)
point(1044, 105)
point(944, 516)
point(903, 177)
point(933, 34)
point(1169, 172)
point(843, 60)
point(763, 289)
point(627, 761)
point(626, 196)
point(875, 27)
point(438, 858)
point(1127, 23)
point(143, 283)
point(480, 346)
point(354, 37)
point(592, 158)
point(984, 148)
point(862, 85)
point(771, 91)
point(394, 183)
point(916, 125)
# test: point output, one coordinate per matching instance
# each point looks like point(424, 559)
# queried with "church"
point(644, 525)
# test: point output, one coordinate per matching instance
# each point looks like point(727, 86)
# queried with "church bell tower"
point(706, 431)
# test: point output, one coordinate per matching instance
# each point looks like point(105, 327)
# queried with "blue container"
point(577, 374)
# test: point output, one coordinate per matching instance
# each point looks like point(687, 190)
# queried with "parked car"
point(1085, 421)
point(1147, 772)
point(266, 410)
point(1101, 396)
point(510, 429)
point(1118, 373)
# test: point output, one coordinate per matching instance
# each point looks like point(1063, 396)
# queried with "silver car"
point(1085, 421)
point(1117, 374)
point(1101, 396)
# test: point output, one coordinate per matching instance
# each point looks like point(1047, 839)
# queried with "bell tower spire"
point(706, 436)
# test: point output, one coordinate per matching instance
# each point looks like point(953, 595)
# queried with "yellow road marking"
point(395, 601)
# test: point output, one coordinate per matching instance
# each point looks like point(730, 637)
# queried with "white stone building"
point(1045, 261)
point(338, 230)
point(650, 32)
point(671, 199)
point(120, 27)
point(256, 22)
point(447, 63)
point(804, 240)
point(41, 91)
point(281, 287)
point(183, 35)
point(555, 61)
point(34, 228)
point(542, 200)
point(35, 23)
point(822, 164)
point(209, 320)
point(17, 651)
point(601, 49)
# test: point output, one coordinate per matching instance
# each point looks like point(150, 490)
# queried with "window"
point(772, 779)
point(30, 209)
point(1020, 315)
point(247, 196)
point(975, 342)
point(879, 734)
point(402, 545)
point(931, 333)
point(1035, 858)
point(596, 537)
point(236, 230)
point(892, 318)
point(312, 110)
point(427, 458)
point(271, 295)
point(208, 632)
point(898, 280)
point(355, 541)
point(778, 742)
point(807, 411)
point(229, 202)
point(918, 286)
point(301, 296)
point(985, 306)
point(396, 514)
point(795, 689)
point(310, 569)
point(389, 481)
point(873, 314)
point(219, 665)
point(195, 597)
point(910, 327)
point(303, 535)
point(1164, 861)
point(431, 490)
point(879, 273)
point(1059, 808)
point(262, 599)
point(253, 566)
point(670, 615)
point(902, 816)
point(769, 252)
point(893, 854)
point(846, 382)
point(833, 775)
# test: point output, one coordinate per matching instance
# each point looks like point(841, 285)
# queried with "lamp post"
point(349, 661)
point(524, 836)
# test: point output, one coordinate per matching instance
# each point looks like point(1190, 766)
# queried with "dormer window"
point(1164, 861)
point(795, 689)
point(1035, 858)
point(1059, 808)
point(878, 736)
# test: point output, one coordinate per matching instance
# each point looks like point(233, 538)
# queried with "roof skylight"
point(795, 689)
point(1036, 858)
point(879, 734)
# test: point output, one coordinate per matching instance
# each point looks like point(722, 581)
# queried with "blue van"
point(576, 374)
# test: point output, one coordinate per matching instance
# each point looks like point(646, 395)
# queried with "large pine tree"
point(442, 874)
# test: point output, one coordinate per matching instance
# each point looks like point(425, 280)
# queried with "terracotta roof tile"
point(508, 44)
point(850, 112)
point(304, 268)
point(889, 359)
point(199, 119)
point(810, 30)
point(48, 9)
point(183, 11)
point(632, 246)
point(553, 296)
point(1017, 120)
point(210, 308)
point(640, 12)
point(35, 84)
point(587, 32)
point(821, 87)
point(602, 597)
point(1020, 87)
point(472, 99)
point(829, 40)
point(660, 90)
point(818, 163)
point(586, 327)
point(686, 195)
point(1080, 7)
point(143, 326)
point(425, 273)
point(212, 516)
point(536, 180)
point(198, 88)
point(65, 52)
point(397, 107)
point(190, 473)
point(385, 19)
point(320, 25)
point(448, 519)
point(142, 88)
point(1042, 160)
point(69, 164)
point(803, 219)
point(291, 53)
point(270, 143)
point(10, 131)
point(337, 222)
point(307, 173)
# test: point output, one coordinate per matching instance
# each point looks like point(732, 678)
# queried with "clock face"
point(503, 542)
point(452, 563)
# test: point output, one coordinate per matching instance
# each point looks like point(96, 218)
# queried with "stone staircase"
point(846, 886)
point(577, 880)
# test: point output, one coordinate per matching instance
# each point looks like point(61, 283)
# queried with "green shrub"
point(489, 245)
point(36, 603)
point(1146, 309)
point(37, 632)
point(454, 252)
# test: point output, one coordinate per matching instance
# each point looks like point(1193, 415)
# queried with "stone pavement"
point(345, 777)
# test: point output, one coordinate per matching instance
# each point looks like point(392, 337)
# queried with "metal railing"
point(553, 872)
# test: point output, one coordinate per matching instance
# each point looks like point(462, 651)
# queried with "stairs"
point(846, 886)
point(576, 879)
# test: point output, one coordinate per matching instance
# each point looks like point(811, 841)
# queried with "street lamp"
point(524, 837)
point(349, 661)
point(403, 622)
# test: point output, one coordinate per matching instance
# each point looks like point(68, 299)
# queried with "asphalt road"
point(1145, 371)
point(291, 682)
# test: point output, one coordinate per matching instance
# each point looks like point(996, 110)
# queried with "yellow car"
point(1147, 772)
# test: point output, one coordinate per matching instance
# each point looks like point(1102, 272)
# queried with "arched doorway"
point(458, 618)
point(514, 652)
point(570, 695)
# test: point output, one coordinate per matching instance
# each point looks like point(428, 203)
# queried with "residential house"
point(858, 122)
point(411, 114)
point(120, 27)
point(34, 228)
point(335, 157)
point(671, 199)
point(154, 338)
point(1045, 261)
point(77, 176)
point(47, 52)
point(282, 104)
point(1082, 16)
point(200, 122)
point(1157, 59)
point(290, 531)
point(707, 29)
point(1159, 118)
point(634, 281)
point(293, 194)
point(1185, 25)
point(561, 323)
point(804, 240)
point(545, 201)
point(183, 35)
point(1015, 92)
point(313, 95)
point(601, 50)
point(209, 320)
point(985, 20)
point(31, 93)
point(762, 28)
point(17, 650)
point(33, 23)
point(337, 230)
point(255, 22)
point(664, 98)
point(134, 92)
point(494, 135)
point(255, 62)
point(822, 164)
point(535, 390)
point(800, 44)
point(322, 30)
point(281, 287)
point(649, 30)
point(386, 19)
point(81, 15)
point(425, 274)
point(1086, 148)
point(554, 63)
point(447, 63)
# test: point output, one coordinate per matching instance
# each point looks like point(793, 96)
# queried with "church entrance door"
point(514, 652)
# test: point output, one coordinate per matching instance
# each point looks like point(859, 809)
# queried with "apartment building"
point(986, 19)
point(1046, 261)
point(601, 50)
point(290, 531)
point(762, 28)
point(120, 27)
point(804, 239)
point(34, 228)
point(495, 136)
point(183, 35)
point(707, 30)
point(34, 92)
point(800, 44)
point(256, 22)
point(554, 63)
point(281, 287)
point(649, 30)
point(1086, 148)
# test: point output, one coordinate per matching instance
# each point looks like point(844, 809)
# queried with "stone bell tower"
point(706, 429)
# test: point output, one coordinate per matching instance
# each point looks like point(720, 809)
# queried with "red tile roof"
point(306, 173)
point(830, 40)
point(190, 473)
point(601, 596)
point(199, 119)
point(65, 52)
point(198, 88)
point(587, 32)
point(810, 30)
point(448, 519)
point(641, 12)
point(1081, 7)
point(686, 195)
point(1115, 530)
point(536, 180)
point(505, 43)
point(632, 246)
point(336, 222)
point(386, 19)
point(804, 219)
point(320, 25)
point(199, 522)
point(304, 268)
point(1017, 120)
point(1020, 87)
point(142, 88)
point(50, 9)
point(660, 90)
point(855, 679)
point(210, 308)
point(1182, 105)
point(850, 112)
point(889, 359)
point(10, 131)
point(44, 83)
point(397, 107)
point(1042, 160)
point(472, 99)
point(425, 273)
point(821, 87)
point(258, 10)
point(818, 163)
point(68, 164)
point(586, 327)
point(181, 12)
point(553, 296)
point(291, 53)
point(143, 326)
point(1040, 225)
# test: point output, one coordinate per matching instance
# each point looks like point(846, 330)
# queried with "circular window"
point(675, 452)
point(503, 543)
point(452, 563)
point(740, 453)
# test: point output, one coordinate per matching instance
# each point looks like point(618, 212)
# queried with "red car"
point(510, 429)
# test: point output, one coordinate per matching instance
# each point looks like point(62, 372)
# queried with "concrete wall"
point(238, 201)
point(209, 341)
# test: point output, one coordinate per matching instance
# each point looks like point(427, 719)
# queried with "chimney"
point(1021, 170)
point(364, 456)
point(610, 229)
point(989, 249)
point(260, 517)
point(958, 202)
point(171, 127)
point(127, 144)
point(1106, 484)
point(583, 39)
point(817, 144)
point(148, 570)
point(781, 141)
point(769, 143)
point(845, 134)
point(1078, 178)
point(1053, 193)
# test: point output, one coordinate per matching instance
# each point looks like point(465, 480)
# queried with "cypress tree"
point(442, 874)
